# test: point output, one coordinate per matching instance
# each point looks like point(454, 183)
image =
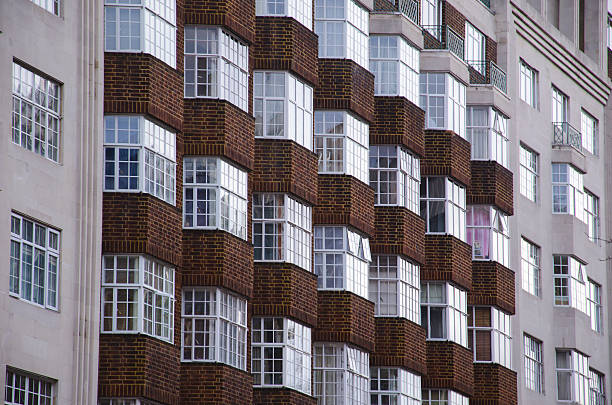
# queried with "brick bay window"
point(342, 27)
point(341, 374)
point(572, 376)
point(298, 9)
point(443, 397)
point(568, 191)
point(443, 206)
point(489, 335)
point(488, 233)
point(341, 142)
point(137, 296)
point(36, 112)
point(213, 327)
point(570, 282)
point(444, 312)
point(34, 262)
point(147, 26)
point(395, 175)
point(443, 99)
point(281, 354)
point(487, 131)
point(28, 389)
point(394, 287)
point(214, 195)
point(342, 257)
point(139, 156)
point(394, 386)
point(282, 230)
point(282, 107)
point(395, 65)
point(216, 65)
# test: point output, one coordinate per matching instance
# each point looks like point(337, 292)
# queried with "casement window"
point(298, 9)
point(282, 230)
point(609, 31)
point(394, 287)
point(139, 156)
point(529, 172)
point(214, 327)
point(281, 354)
point(475, 46)
point(488, 234)
point(52, 6)
point(528, 84)
point(443, 99)
point(395, 175)
point(572, 376)
point(534, 364)
point(443, 397)
point(559, 106)
point(36, 112)
point(570, 280)
point(431, 15)
point(341, 374)
point(443, 206)
point(341, 142)
point(487, 132)
point(589, 129)
point(342, 257)
point(595, 308)
point(216, 65)
point(444, 312)
point(214, 195)
point(26, 389)
point(141, 26)
point(137, 296)
point(343, 29)
point(391, 385)
point(567, 190)
point(34, 262)
point(530, 267)
point(283, 107)
point(395, 65)
point(591, 215)
point(597, 388)
point(489, 335)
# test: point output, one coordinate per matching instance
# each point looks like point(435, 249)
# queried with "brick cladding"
point(345, 317)
point(283, 289)
point(384, 5)
point(282, 43)
point(283, 396)
point(494, 385)
point(399, 343)
point(491, 184)
point(453, 18)
point(399, 231)
point(398, 121)
point(447, 259)
point(344, 200)
point(213, 384)
point(237, 15)
point(449, 366)
point(492, 284)
point(283, 166)
point(345, 85)
point(446, 154)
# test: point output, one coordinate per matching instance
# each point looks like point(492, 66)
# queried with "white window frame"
point(454, 205)
point(496, 232)
point(591, 216)
point(394, 385)
point(567, 181)
point(300, 10)
point(475, 48)
point(577, 370)
point(528, 84)
point(453, 305)
point(52, 6)
point(570, 283)
point(589, 127)
point(597, 388)
point(595, 307)
point(431, 16)
point(531, 274)
point(395, 175)
point(489, 141)
point(533, 364)
point(443, 397)
point(499, 332)
point(28, 389)
point(529, 173)
point(560, 106)
point(452, 100)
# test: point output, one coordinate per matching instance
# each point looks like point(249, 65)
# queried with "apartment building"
point(51, 56)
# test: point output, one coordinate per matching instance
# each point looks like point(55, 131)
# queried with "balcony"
point(443, 37)
point(409, 8)
point(487, 72)
point(566, 135)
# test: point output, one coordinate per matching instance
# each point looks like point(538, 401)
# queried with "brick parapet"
point(446, 154)
point(399, 343)
point(492, 285)
point(398, 231)
point(214, 383)
point(281, 396)
point(397, 121)
point(447, 259)
point(449, 366)
point(236, 15)
point(491, 184)
point(494, 385)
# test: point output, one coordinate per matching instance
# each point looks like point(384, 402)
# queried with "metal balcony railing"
point(445, 38)
point(410, 8)
point(566, 135)
point(486, 3)
point(494, 75)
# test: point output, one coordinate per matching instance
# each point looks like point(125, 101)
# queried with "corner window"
point(568, 194)
point(570, 280)
point(528, 90)
point(487, 132)
point(589, 129)
point(443, 206)
point(444, 312)
point(530, 267)
point(529, 173)
point(489, 335)
point(298, 9)
point(475, 46)
point(25, 388)
point(443, 397)
point(395, 175)
point(594, 306)
point(572, 376)
point(394, 386)
point(488, 233)
point(534, 365)
point(443, 99)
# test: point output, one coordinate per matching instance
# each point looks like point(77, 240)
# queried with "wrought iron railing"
point(498, 78)
point(445, 38)
point(494, 75)
point(567, 135)
point(410, 8)
point(486, 3)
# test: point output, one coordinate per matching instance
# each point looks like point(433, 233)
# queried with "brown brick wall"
point(344, 200)
point(446, 154)
point(345, 317)
point(492, 284)
point(397, 121)
point(384, 5)
point(447, 259)
point(491, 184)
point(282, 43)
point(237, 15)
point(449, 366)
point(453, 18)
point(610, 63)
point(494, 385)
point(213, 384)
point(399, 343)
point(283, 289)
point(345, 85)
point(283, 166)
point(398, 231)
point(281, 396)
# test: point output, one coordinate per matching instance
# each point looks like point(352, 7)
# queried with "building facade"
point(50, 200)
